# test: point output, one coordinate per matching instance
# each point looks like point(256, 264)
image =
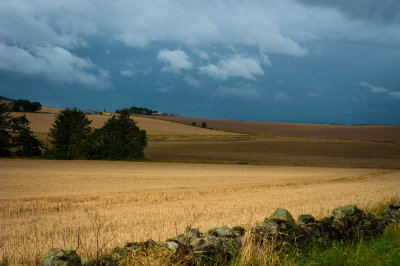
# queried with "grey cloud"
point(28, 25)
point(139, 23)
point(394, 94)
point(163, 88)
point(201, 54)
point(387, 11)
point(241, 92)
point(270, 26)
point(126, 73)
point(314, 94)
point(281, 96)
point(53, 63)
point(373, 88)
point(377, 89)
point(192, 82)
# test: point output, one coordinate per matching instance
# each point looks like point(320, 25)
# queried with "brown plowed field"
point(281, 151)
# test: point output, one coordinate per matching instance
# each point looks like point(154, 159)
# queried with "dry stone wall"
point(347, 223)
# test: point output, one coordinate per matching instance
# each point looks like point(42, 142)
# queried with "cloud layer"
point(270, 27)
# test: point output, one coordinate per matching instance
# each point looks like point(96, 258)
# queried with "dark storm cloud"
point(195, 57)
point(387, 11)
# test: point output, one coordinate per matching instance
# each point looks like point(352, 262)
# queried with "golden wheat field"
point(45, 204)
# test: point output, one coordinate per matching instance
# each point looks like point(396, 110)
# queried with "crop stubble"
point(43, 203)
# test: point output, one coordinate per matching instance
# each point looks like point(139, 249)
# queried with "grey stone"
point(282, 215)
point(271, 226)
point(305, 219)
point(191, 232)
point(172, 246)
point(346, 210)
point(395, 205)
point(238, 230)
point(59, 257)
point(221, 231)
point(208, 244)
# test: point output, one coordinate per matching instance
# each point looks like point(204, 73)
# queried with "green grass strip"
point(383, 250)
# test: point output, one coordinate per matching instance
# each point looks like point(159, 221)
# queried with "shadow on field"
point(281, 151)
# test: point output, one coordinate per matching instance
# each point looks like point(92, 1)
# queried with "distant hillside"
point(367, 132)
point(42, 121)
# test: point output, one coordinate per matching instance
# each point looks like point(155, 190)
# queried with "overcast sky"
point(319, 61)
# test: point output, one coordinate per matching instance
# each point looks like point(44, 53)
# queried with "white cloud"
point(126, 73)
point(201, 54)
point(394, 94)
point(192, 82)
point(237, 66)
point(53, 63)
point(176, 60)
point(281, 96)
point(373, 88)
point(243, 92)
point(376, 89)
point(314, 94)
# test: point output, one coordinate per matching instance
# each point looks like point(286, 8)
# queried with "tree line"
point(72, 137)
point(22, 105)
point(140, 111)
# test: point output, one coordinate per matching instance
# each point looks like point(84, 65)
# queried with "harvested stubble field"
point(41, 123)
point(46, 204)
point(365, 132)
point(175, 142)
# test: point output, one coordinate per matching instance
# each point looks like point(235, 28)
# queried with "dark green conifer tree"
point(69, 133)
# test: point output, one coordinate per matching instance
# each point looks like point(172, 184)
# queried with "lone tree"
point(25, 143)
point(119, 139)
point(5, 137)
point(69, 132)
point(204, 125)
